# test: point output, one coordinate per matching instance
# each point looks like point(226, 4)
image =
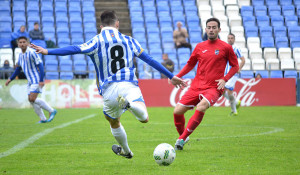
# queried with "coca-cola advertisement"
point(251, 92)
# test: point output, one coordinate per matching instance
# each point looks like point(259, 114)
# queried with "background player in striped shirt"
point(112, 54)
point(32, 66)
point(208, 84)
point(229, 86)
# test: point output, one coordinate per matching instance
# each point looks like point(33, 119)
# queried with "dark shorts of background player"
point(192, 97)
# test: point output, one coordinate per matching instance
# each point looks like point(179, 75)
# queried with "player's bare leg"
point(120, 135)
point(194, 121)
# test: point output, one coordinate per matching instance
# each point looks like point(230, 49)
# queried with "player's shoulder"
point(224, 44)
point(31, 50)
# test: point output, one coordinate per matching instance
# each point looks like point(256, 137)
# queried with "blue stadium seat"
point(246, 74)
point(274, 10)
point(163, 8)
point(290, 74)
point(5, 42)
point(50, 57)
point(249, 21)
point(77, 41)
point(276, 74)
point(62, 42)
point(272, 2)
point(297, 2)
point(263, 21)
point(66, 75)
point(195, 37)
point(165, 21)
point(183, 51)
point(52, 76)
point(293, 31)
point(190, 9)
point(285, 2)
point(176, 8)
point(263, 73)
point(266, 31)
point(277, 20)
point(260, 10)
point(288, 10)
point(178, 18)
point(188, 3)
point(41, 43)
point(251, 31)
point(80, 67)
point(51, 65)
point(291, 20)
point(193, 21)
point(295, 42)
point(183, 58)
point(258, 2)
point(267, 42)
point(280, 31)
point(65, 65)
point(156, 75)
point(281, 42)
point(62, 32)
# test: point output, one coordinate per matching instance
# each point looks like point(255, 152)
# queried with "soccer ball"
point(164, 154)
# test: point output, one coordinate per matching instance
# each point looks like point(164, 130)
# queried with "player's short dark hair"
point(35, 23)
point(231, 35)
point(23, 37)
point(108, 18)
point(213, 19)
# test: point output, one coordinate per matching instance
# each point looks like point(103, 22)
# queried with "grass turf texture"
point(261, 140)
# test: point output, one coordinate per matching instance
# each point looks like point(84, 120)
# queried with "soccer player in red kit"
point(208, 84)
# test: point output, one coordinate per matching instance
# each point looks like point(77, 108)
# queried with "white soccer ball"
point(164, 154)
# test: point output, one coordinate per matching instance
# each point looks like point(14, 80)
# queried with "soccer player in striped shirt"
point(208, 84)
point(33, 68)
point(112, 54)
point(230, 84)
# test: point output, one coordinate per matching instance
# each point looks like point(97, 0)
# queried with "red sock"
point(179, 121)
point(194, 121)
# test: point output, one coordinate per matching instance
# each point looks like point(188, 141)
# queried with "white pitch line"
point(37, 136)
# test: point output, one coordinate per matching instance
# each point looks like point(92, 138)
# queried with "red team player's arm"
point(233, 62)
point(189, 66)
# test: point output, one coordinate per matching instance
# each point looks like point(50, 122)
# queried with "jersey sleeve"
point(136, 47)
point(90, 47)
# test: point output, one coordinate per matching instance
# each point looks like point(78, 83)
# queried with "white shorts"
point(130, 91)
point(230, 84)
point(33, 88)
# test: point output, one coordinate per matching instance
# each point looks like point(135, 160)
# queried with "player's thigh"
point(180, 109)
point(203, 105)
point(32, 96)
point(110, 104)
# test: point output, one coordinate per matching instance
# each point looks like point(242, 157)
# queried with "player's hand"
point(41, 84)
point(7, 82)
point(221, 84)
point(178, 82)
point(39, 49)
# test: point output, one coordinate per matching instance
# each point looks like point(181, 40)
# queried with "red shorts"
point(192, 97)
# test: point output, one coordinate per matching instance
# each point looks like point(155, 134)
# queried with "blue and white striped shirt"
point(112, 54)
point(29, 62)
point(238, 54)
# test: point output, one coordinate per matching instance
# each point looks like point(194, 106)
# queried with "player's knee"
point(145, 121)
point(178, 110)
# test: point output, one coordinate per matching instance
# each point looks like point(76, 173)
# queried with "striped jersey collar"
point(109, 28)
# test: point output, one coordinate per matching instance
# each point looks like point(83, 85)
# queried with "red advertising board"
point(251, 92)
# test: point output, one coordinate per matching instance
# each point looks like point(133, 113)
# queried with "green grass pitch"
point(261, 140)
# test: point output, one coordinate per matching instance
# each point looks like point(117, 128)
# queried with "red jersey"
point(212, 57)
